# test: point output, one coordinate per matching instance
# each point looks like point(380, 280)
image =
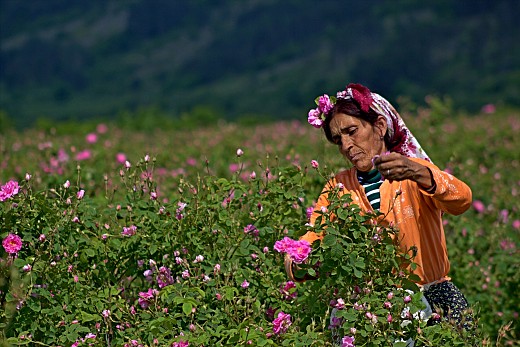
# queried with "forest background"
point(76, 60)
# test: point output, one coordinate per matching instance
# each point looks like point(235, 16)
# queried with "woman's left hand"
point(397, 167)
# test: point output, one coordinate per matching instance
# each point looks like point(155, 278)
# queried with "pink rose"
point(325, 104)
point(347, 341)
point(281, 323)
point(479, 206)
point(12, 244)
point(314, 118)
point(8, 190)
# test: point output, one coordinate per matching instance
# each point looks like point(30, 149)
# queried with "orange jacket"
point(416, 213)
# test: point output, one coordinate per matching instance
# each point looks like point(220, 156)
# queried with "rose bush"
point(177, 248)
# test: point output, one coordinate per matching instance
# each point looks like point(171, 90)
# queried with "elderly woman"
point(386, 159)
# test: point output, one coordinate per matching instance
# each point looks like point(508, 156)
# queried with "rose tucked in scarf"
point(401, 139)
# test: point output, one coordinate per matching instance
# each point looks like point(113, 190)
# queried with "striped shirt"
point(371, 181)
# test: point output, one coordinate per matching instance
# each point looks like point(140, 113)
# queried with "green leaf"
point(186, 308)
point(87, 317)
point(328, 241)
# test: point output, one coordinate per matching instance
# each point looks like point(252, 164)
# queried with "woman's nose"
point(346, 143)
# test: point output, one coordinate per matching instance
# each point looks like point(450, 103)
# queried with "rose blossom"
point(12, 244)
point(347, 341)
point(8, 190)
point(297, 250)
point(314, 118)
point(325, 104)
point(81, 194)
point(281, 323)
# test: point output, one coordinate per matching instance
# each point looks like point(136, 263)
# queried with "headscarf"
point(401, 138)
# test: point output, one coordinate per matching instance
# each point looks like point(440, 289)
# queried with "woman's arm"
point(448, 193)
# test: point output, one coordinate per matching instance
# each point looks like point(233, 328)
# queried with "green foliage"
point(135, 258)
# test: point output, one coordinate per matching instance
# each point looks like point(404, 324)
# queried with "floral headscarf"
point(402, 139)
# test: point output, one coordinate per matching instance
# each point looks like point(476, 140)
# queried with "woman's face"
point(358, 140)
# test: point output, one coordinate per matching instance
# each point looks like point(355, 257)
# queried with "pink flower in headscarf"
point(8, 190)
point(314, 118)
point(325, 103)
point(12, 244)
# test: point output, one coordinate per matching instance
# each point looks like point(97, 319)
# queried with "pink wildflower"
point(81, 194)
point(281, 323)
point(8, 190)
point(245, 284)
point(12, 244)
point(240, 152)
point(315, 164)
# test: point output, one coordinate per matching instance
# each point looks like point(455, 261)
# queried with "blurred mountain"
point(74, 59)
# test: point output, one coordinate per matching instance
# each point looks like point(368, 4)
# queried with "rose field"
point(171, 234)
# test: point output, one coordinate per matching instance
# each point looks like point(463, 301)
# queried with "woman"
point(391, 173)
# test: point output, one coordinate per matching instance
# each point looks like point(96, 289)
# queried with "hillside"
point(73, 59)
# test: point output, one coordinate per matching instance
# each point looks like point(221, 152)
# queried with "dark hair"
point(351, 108)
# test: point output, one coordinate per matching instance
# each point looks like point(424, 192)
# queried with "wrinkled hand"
point(396, 167)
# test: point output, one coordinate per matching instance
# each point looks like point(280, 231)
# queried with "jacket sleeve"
point(450, 195)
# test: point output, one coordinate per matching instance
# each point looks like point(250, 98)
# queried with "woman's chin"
point(362, 166)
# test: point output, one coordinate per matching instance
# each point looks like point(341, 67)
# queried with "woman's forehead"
point(342, 120)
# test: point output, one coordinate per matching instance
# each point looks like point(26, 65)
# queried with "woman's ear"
point(381, 126)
